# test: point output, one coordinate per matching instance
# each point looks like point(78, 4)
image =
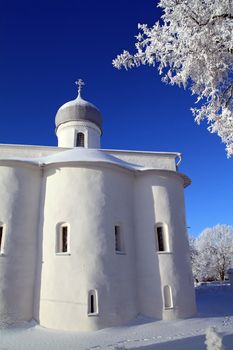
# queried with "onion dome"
point(78, 110)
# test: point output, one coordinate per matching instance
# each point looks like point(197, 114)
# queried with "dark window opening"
point(160, 237)
point(118, 239)
point(80, 139)
point(1, 236)
point(64, 243)
point(92, 302)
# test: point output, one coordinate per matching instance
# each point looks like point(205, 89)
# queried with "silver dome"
point(78, 109)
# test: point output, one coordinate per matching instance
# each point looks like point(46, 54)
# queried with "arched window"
point(80, 139)
point(161, 238)
point(167, 296)
point(62, 244)
point(92, 302)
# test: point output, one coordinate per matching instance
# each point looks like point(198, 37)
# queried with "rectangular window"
point(1, 238)
point(160, 238)
point(64, 247)
point(62, 239)
point(118, 239)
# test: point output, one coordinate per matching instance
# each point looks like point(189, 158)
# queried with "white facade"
point(90, 238)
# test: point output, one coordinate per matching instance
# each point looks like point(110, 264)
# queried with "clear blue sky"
point(46, 45)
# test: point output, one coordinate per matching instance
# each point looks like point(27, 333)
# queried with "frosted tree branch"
point(192, 46)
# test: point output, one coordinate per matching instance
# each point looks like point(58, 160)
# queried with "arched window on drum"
point(80, 139)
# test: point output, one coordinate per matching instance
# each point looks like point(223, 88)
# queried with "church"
point(90, 238)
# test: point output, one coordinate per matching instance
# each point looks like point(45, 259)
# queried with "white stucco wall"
point(159, 199)
point(26, 151)
point(66, 134)
point(156, 160)
point(91, 198)
point(91, 201)
point(19, 193)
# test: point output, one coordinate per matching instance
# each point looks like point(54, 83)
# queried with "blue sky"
point(47, 45)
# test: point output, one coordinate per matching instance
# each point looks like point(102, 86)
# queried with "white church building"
point(91, 237)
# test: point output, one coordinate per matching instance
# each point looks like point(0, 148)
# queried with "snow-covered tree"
point(212, 253)
point(192, 248)
point(196, 268)
point(193, 44)
point(213, 340)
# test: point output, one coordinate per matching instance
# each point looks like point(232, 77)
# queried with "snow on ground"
point(215, 308)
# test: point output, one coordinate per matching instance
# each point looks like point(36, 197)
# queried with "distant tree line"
point(212, 253)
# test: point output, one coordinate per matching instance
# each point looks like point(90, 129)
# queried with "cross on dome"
point(80, 84)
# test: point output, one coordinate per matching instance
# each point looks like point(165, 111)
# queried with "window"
point(1, 239)
point(92, 302)
point(80, 140)
point(62, 239)
point(161, 237)
point(118, 239)
point(167, 295)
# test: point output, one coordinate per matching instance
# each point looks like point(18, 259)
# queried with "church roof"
point(78, 109)
point(86, 155)
point(90, 156)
